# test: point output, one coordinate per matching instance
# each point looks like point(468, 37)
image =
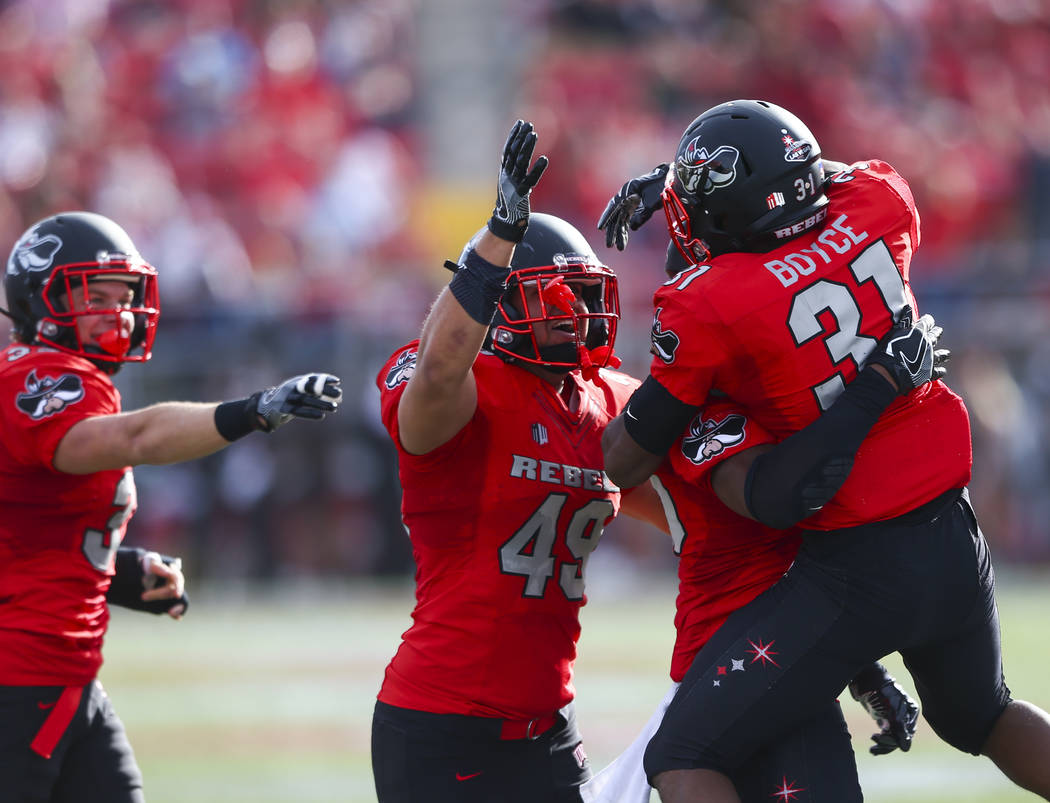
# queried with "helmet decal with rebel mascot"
point(747, 175)
point(555, 261)
point(53, 265)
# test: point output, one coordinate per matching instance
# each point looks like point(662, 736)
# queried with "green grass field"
point(268, 698)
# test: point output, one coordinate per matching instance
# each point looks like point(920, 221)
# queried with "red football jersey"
point(725, 560)
point(58, 532)
point(502, 519)
point(781, 333)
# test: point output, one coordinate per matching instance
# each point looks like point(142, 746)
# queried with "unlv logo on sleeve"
point(708, 437)
point(665, 342)
point(47, 396)
point(402, 370)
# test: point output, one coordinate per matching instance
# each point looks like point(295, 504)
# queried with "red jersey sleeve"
point(718, 432)
point(47, 395)
point(687, 344)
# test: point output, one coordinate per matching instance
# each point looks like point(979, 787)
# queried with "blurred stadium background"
point(299, 169)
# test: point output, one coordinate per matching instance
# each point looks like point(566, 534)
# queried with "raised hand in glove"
point(889, 705)
point(510, 217)
point(632, 206)
point(910, 354)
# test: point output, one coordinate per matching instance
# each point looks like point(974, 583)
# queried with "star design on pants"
point(738, 666)
point(763, 652)
point(787, 791)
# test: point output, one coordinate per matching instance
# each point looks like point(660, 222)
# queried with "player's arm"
point(636, 441)
point(783, 484)
point(441, 395)
point(643, 503)
point(148, 581)
point(171, 432)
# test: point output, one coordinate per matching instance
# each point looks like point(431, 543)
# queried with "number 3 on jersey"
point(99, 546)
point(874, 264)
point(530, 551)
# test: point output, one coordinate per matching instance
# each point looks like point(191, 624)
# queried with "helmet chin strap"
point(559, 353)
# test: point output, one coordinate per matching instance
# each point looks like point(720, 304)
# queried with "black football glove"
point(909, 352)
point(510, 218)
point(889, 705)
point(632, 206)
point(132, 578)
point(305, 396)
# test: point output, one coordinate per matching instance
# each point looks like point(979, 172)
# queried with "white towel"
point(623, 781)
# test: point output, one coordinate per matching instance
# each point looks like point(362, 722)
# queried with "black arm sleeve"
point(800, 475)
point(127, 586)
point(655, 418)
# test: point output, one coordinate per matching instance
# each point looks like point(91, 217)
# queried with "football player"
point(726, 561)
point(797, 269)
point(84, 302)
point(496, 413)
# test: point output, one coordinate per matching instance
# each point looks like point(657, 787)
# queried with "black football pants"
point(420, 757)
point(90, 759)
point(921, 584)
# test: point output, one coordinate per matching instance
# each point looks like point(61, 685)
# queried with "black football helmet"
point(558, 262)
point(61, 255)
point(747, 176)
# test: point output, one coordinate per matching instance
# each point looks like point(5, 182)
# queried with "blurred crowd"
point(268, 156)
point(256, 150)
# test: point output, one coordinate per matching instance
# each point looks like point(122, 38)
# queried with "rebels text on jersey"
point(781, 333)
point(59, 532)
point(502, 519)
point(725, 560)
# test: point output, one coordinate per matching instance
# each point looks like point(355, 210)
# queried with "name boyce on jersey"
point(838, 237)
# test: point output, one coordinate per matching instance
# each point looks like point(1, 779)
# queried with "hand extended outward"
point(632, 206)
point(510, 217)
point(909, 352)
point(304, 396)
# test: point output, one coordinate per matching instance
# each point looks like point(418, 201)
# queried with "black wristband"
point(507, 231)
point(235, 419)
point(478, 286)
